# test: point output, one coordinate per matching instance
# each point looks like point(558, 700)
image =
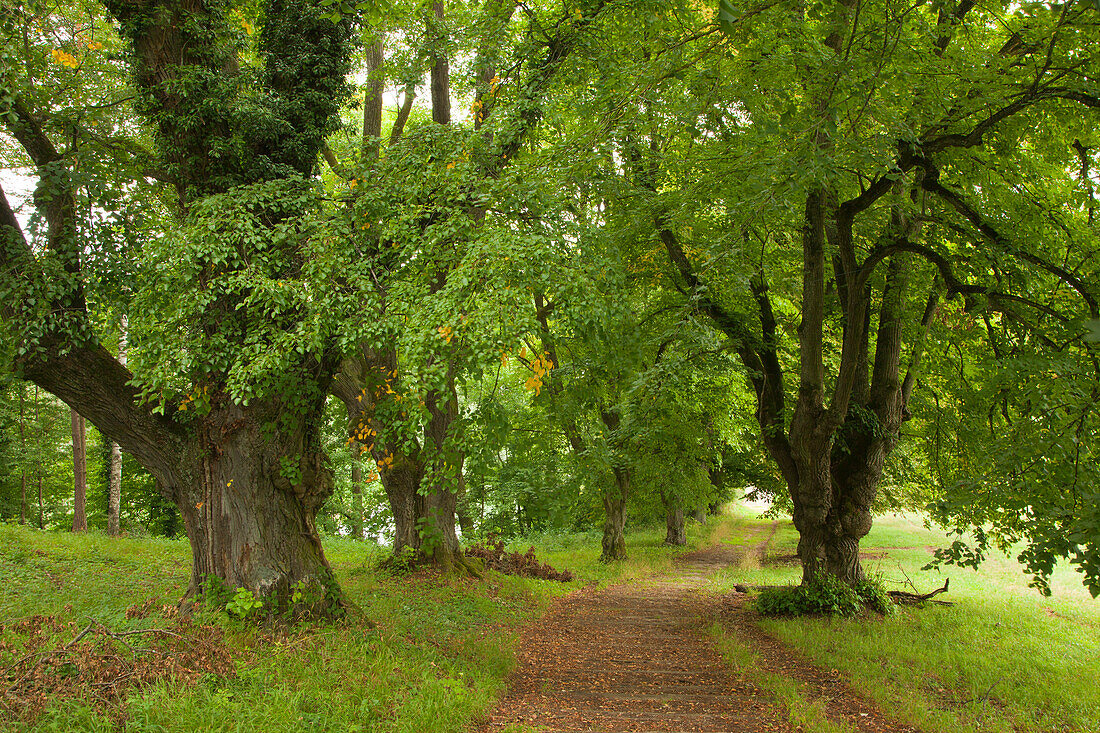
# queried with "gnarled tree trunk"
point(251, 505)
point(248, 492)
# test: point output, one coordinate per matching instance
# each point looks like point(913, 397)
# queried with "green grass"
point(424, 652)
point(803, 712)
point(1002, 659)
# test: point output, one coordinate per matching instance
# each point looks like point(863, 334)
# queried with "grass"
point(425, 653)
point(803, 712)
point(1003, 659)
point(431, 653)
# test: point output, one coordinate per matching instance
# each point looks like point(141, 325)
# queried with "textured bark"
point(250, 506)
point(675, 530)
point(356, 519)
point(444, 481)
point(614, 524)
point(248, 525)
point(23, 461)
point(114, 490)
point(422, 496)
point(440, 74)
point(80, 472)
point(372, 100)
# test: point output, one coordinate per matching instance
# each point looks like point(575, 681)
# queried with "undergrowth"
point(420, 650)
point(825, 595)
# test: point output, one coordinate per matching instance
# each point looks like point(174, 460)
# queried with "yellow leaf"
point(64, 59)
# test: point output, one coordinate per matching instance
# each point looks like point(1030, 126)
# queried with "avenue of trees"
point(437, 269)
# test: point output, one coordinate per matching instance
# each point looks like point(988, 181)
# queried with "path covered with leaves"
point(636, 657)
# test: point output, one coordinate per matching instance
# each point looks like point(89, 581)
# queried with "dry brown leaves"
point(515, 563)
point(47, 660)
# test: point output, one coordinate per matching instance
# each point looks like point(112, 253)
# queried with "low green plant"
point(825, 595)
point(244, 604)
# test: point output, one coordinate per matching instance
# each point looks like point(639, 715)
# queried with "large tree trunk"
point(614, 523)
point(251, 505)
point(248, 491)
point(80, 473)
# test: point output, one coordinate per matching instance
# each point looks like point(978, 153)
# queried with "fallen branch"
point(43, 656)
point(916, 599)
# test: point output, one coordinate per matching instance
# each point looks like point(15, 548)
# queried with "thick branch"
point(931, 183)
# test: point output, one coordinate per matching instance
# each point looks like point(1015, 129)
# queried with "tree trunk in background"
point(444, 483)
point(356, 495)
point(465, 521)
point(676, 533)
point(700, 515)
point(114, 491)
point(114, 483)
point(80, 473)
point(23, 457)
point(614, 524)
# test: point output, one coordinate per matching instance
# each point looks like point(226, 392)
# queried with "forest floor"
point(663, 641)
point(638, 657)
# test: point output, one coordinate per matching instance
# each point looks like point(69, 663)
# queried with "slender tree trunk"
point(80, 472)
point(114, 491)
point(356, 495)
point(38, 461)
point(23, 456)
point(614, 524)
point(700, 515)
point(114, 483)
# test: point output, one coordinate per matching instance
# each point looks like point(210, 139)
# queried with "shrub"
point(825, 595)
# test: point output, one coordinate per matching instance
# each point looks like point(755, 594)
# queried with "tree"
point(80, 472)
point(243, 467)
point(891, 187)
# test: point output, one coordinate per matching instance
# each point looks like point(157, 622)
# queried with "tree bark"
point(675, 530)
point(356, 495)
point(440, 74)
point(249, 525)
point(614, 524)
point(422, 495)
point(80, 473)
point(114, 491)
point(250, 505)
point(23, 456)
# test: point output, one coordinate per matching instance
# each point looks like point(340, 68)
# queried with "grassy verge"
point(425, 653)
point(803, 712)
point(1002, 659)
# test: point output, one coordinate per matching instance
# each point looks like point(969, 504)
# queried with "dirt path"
point(634, 657)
